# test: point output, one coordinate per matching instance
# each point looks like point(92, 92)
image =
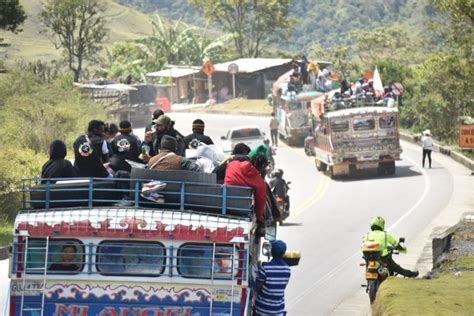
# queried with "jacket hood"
point(57, 150)
point(248, 169)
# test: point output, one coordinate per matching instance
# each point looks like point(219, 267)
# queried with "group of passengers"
point(309, 74)
point(103, 152)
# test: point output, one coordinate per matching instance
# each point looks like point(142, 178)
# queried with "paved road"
point(329, 217)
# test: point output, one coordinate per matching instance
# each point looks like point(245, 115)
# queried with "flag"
point(378, 86)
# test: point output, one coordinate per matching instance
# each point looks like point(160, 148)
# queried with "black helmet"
point(278, 173)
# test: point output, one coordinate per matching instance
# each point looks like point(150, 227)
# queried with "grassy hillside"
point(124, 23)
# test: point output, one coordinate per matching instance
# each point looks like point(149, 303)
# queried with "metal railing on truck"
point(38, 193)
point(119, 258)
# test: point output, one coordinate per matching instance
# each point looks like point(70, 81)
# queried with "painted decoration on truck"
point(123, 223)
point(122, 300)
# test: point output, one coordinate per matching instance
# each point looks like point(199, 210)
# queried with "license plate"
point(371, 275)
point(367, 165)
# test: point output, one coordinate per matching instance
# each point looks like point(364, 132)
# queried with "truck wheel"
point(390, 167)
point(331, 172)
point(321, 166)
point(381, 168)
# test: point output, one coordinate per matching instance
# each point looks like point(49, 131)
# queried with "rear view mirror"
point(263, 133)
point(266, 249)
point(401, 240)
point(289, 182)
point(223, 138)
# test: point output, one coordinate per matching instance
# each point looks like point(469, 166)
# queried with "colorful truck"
point(353, 135)
point(77, 250)
point(292, 113)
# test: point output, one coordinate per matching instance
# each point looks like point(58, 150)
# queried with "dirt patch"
point(460, 254)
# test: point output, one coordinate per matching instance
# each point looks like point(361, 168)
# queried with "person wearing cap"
point(272, 279)
point(156, 114)
point(164, 126)
point(126, 145)
point(369, 87)
point(427, 142)
point(198, 134)
point(167, 159)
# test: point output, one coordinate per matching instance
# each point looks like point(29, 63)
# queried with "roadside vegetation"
point(36, 107)
point(447, 290)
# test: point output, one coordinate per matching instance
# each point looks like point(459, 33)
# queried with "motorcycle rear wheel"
point(372, 288)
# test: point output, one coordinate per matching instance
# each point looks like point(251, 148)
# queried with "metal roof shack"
point(249, 65)
point(253, 80)
point(189, 83)
point(361, 110)
point(174, 72)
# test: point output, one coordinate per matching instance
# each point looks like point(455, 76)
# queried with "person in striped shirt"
point(272, 279)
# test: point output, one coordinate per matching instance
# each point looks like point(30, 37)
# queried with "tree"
point(12, 15)
point(339, 56)
point(253, 23)
point(442, 87)
point(77, 26)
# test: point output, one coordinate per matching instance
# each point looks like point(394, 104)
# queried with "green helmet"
point(377, 221)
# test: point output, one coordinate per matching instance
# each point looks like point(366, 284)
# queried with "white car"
point(251, 136)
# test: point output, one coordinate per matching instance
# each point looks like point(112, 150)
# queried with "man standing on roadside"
point(274, 129)
point(272, 279)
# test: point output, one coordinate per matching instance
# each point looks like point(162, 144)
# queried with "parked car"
point(251, 136)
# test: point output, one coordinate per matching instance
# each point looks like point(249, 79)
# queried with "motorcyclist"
point(388, 242)
point(279, 186)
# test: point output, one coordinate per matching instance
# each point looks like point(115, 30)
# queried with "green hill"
point(124, 23)
point(327, 22)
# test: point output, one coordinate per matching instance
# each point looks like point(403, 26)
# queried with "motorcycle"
point(375, 270)
point(280, 188)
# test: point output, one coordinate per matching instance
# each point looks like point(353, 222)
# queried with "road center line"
point(322, 188)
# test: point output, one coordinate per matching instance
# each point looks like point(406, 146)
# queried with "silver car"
point(250, 135)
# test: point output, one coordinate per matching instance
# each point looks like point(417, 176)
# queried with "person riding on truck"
point(387, 241)
point(250, 174)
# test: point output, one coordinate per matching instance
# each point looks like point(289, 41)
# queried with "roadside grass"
point(467, 153)
point(242, 106)
point(5, 233)
point(445, 295)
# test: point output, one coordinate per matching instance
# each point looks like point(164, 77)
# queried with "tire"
point(372, 288)
point(307, 150)
point(331, 172)
point(381, 169)
point(390, 167)
point(321, 166)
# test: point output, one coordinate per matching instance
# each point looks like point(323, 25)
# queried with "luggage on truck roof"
point(185, 190)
